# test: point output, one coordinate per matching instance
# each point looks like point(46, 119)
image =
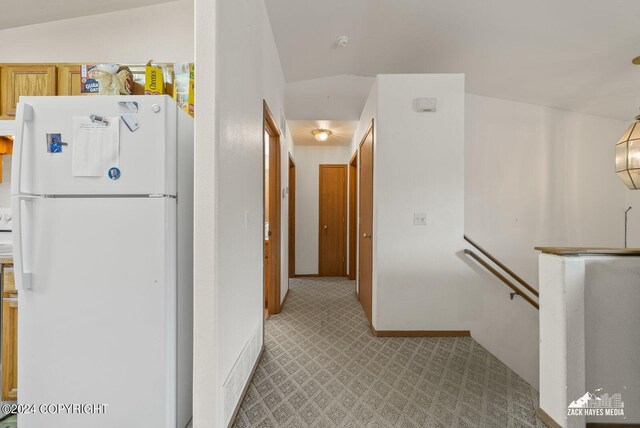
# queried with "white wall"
point(417, 168)
point(633, 200)
point(235, 44)
point(308, 160)
point(612, 337)
point(163, 33)
point(537, 176)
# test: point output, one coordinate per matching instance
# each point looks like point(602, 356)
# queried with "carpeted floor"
point(322, 367)
point(9, 422)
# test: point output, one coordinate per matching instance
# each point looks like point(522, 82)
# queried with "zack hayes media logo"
point(591, 405)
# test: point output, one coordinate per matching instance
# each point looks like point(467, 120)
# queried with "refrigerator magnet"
point(114, 173)
point(96, 118)
point(131, 121)
point(55, 143)
point(128, 106)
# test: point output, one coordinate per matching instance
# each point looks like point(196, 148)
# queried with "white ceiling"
point(342, 131)
point(16, 13)
point(335, 97)
point(570, 54)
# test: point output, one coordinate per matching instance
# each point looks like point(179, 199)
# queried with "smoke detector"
point(342, 41)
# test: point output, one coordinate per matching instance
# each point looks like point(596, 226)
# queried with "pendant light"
point(628, 156)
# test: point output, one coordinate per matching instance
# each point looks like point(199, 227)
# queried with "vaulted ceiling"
point(569, 54)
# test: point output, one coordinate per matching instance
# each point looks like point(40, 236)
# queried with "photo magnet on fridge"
point(54, 143)
point(131, 122)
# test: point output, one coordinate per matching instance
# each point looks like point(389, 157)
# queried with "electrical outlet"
point(419, 219)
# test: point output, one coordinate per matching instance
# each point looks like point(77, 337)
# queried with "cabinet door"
point(69, 79)
point(17, 80)
point(9, 348)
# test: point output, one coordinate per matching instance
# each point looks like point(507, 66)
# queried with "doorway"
point(353, 194)
point(271, 180)
point(366, 222)
point(292, 217)
point(332, 220)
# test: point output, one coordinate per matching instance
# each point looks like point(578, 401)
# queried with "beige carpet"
point(322, 367)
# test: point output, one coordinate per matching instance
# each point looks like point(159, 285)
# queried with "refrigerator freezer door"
point(43, 151)
point(98, 325)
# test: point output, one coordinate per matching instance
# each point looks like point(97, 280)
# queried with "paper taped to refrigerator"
point(96, 145)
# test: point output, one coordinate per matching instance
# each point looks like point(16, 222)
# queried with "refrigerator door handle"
point(22, 277)
point(24, 114)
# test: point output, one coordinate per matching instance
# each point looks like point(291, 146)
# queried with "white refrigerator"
point(102, 200)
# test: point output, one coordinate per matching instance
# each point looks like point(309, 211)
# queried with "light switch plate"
point(419, 219)
point(422, 105)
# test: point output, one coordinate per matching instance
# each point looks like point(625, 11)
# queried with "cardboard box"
point(154, 80)
point(88, 85)
point(184, 86)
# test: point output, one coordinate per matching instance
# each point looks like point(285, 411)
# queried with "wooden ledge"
point(546, 419)
point(590, 251)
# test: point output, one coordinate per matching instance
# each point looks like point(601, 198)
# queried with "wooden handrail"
point(502, 278)
point(503, 267)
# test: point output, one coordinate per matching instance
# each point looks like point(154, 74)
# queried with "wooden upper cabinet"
point(69, 79)
point(29, 79)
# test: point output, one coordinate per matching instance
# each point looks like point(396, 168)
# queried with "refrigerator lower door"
point(98, 325)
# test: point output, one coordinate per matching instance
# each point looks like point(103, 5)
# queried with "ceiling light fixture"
point(628, 152)
point(628, 156)
point(321, 134)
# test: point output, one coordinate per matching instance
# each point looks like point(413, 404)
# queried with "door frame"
point(370, 131)
point(292, 217)
point(344, 223)
point(353, 213)
point(273, 282)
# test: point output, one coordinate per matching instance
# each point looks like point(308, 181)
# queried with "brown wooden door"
point(10, 348)
point(17, 80)
point(353, 233)
point(272, 211)
point(333, 225)
point(366, 222)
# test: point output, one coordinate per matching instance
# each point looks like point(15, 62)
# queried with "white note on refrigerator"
point(96, 145)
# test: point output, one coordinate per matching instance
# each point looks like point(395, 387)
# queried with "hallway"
point(322, 367)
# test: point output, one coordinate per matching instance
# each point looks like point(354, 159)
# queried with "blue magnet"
point(54, 143)
point(114, 173)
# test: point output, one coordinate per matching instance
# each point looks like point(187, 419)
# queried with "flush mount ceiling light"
point(321, 134)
